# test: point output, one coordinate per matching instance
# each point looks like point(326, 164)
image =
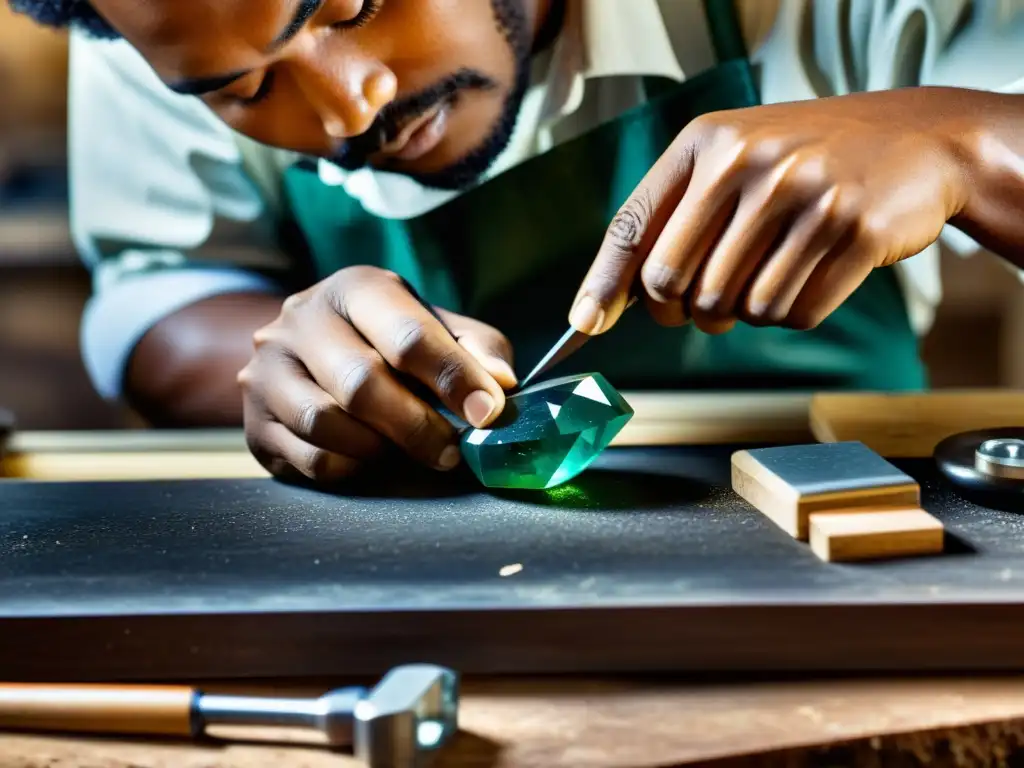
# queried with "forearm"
point(989, 138)
point(183, 372)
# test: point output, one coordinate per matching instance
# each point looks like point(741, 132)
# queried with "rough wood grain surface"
point(910, 425)
point(616, 724)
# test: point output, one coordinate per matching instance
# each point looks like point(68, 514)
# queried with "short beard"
point(511, 20)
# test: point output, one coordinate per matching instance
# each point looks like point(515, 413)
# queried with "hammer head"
point(411, 712)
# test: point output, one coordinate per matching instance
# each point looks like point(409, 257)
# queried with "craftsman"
point(479, 150)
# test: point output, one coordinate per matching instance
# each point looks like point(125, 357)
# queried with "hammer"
point(410, 713)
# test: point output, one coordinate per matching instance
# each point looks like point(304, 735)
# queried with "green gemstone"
point(548, 433)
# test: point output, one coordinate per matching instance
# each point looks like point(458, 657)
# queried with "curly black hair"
point(66, 13)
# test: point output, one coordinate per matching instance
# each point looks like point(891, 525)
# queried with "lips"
point(420, 136)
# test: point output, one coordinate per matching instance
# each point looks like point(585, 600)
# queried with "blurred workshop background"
point(978, 339)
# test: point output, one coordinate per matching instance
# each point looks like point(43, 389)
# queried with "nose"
point(347, 93)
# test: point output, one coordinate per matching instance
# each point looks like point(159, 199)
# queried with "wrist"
point(986, 150)
point(183, 372)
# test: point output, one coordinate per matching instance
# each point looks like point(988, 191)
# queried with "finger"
point(739, 253)
point(814, 234)
point(292, 398)
point(360, 381)
point(831, 283)
point(414, 342)
point(606, 288)
point(289, 457)
point(670, 314)
point(730, 268)
point(488, 345)
point(692, 233)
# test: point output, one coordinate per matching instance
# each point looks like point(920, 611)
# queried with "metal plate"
point(648, 563)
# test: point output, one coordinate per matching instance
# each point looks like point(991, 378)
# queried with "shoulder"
point(110, 80)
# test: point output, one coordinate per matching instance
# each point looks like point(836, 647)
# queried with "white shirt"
point(169, 206)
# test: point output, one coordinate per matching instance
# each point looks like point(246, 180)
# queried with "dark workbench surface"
point(648, 562)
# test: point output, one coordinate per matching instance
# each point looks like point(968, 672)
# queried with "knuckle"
point(808, 173)
point(765, 315)
point(356, 378)
point(293, 303)
point(757, 317)
point(838, 207)
point(713, 307)
point(320, 465)
point(359, 273)
point(417, 435)
point(872, 229)
point(409, 338)
point(663, 282)
point(735, 153)
point(278, 466)
point(803, 171)
point(450, 372)
point(708, 126)
point(309, 417)
point(266, 336)
point(627, 230)
point(245, 377)
point(257, 446)
point(774, 315)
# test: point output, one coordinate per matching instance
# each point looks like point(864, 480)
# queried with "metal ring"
point(1001, 457)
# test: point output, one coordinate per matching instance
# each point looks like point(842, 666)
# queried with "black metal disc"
point(955, 459)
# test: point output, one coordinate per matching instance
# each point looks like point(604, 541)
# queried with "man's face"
point(427, 88)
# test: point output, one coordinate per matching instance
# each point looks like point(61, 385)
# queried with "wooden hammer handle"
point(152, 710)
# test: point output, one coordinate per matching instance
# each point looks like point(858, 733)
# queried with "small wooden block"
point(875, 534)
point(789, 483)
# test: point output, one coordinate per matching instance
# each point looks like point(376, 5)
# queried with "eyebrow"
point(197, 86)
point(306, 10)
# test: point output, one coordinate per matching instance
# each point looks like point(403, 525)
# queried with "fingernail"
point(587, 315)
point(477, 407)
point(449, 457)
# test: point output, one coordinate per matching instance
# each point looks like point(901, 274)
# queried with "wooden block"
point(911, 424)
point(106, 466)
point(874, 534)
point(789, 483)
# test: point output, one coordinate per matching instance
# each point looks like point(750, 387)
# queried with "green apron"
point(513, 251)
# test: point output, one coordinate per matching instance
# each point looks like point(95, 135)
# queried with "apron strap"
point(725, 30)
point(725, 34)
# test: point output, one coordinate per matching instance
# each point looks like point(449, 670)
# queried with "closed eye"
point(366, 13)
point(261, 93)
point(369, 9)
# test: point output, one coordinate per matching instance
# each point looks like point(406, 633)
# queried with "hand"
point(321, 393)
point(774, 215)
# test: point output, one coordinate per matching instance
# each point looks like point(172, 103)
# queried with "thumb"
point(487, 344)
point(605, 292)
